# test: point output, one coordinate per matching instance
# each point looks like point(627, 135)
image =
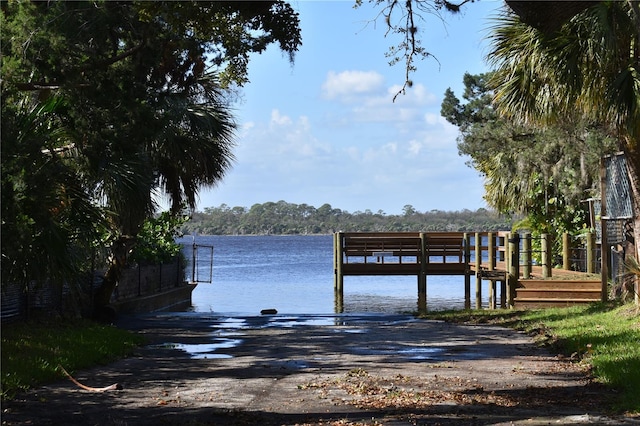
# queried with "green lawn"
point(606, 336)
point(31, 352)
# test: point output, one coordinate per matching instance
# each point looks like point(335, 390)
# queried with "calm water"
point(294, 274)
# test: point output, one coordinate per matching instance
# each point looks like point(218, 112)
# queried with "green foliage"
point(289, 218)
point(587, 68)
point(146, 108)
point(601, 335)
point(31, 352)
point(48, 219)
point(544, 173)
point(156, 239)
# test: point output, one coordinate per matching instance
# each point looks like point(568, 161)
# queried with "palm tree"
point(49, 219)
point(190, 150)
point(589, 65)
point(194, 150)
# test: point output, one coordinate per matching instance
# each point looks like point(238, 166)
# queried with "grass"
point(31, 352)
point(606, 336)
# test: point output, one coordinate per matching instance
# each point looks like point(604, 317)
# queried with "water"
point(294, 274)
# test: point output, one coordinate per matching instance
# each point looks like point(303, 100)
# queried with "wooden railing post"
point(514, 268)
point(491, 248)
point(422, 275)
point(526, 254)
point(337, 261)
point(566, 251)
point(467, 275)
point(478, 244)
point(545, 243)
point(591, 252)
point(604, 245)
point(338, 278)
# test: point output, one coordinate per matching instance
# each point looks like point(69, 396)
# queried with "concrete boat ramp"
point(351, 369)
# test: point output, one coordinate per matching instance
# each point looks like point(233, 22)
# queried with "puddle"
point(295, 321)
point(224, 333)
point(352, 330)
point(416, 353)
point(237, 323)
point(422, 353)
point(204, 350)
point(290, 364)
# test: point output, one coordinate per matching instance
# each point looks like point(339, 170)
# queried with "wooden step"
point(561, 284)
point(526, 303)
point(558, 293)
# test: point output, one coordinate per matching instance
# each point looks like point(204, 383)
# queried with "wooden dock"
point(487, 256)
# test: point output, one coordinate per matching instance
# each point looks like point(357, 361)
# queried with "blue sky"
point(325, 129)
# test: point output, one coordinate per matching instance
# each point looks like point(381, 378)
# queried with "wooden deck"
point(451, 253)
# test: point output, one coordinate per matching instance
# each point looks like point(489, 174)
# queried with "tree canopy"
point(585, 63)
point(542, 172)
point(282, 217)
point(134, 98)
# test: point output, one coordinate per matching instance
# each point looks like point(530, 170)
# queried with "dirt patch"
point(323, 370)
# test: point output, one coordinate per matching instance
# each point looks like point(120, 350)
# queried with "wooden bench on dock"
point(400, 253)
point(380, 253)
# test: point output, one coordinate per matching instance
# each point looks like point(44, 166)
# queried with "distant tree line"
point(288, 218)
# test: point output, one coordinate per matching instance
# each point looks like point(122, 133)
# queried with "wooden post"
point(545, 243)
point(492, 262)
point(478, 244)
point(422, 275)
point(566, 251)
point(526, 253)
point(338, 259)
point(503, 256)
point(338, 301)
point(514, 268)
point(467, 274)
point(591, 252)
point(604, 246)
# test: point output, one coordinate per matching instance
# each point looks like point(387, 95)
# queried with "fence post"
point(177, 262)
point(193, 261)
point(526, 251)
point(478, 244)
point(604, 246)
point(566, 251)
point(545, 244)
point(591, 252)
point(514, 268)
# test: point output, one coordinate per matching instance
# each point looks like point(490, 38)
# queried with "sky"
point(325, 129)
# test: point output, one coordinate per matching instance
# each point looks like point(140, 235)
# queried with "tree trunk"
point(547, 16)
point(633, 167)
point(119, 251)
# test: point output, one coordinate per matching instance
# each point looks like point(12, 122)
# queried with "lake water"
point(294, 274)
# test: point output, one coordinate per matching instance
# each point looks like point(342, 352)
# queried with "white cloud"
point(278, 119)
point(416, 95)
point(347, 84)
